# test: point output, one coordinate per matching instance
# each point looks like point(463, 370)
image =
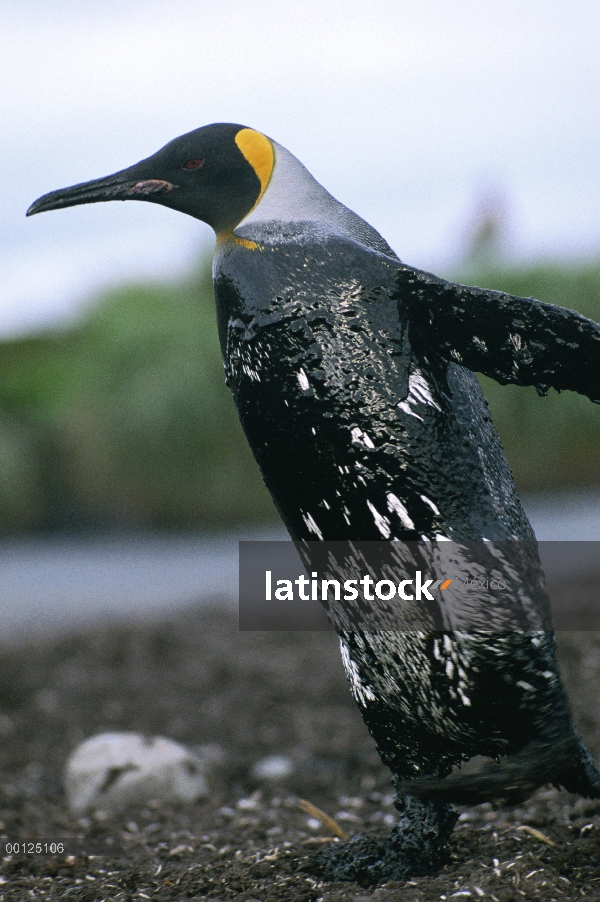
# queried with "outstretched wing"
point(510, 339)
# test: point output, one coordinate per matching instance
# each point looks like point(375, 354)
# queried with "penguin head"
point(217, 174)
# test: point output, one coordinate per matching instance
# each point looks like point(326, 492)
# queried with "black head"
point(216, 174)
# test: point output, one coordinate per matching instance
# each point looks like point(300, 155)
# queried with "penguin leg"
point(413, 848)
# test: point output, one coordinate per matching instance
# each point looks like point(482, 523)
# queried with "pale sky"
point(408, 112)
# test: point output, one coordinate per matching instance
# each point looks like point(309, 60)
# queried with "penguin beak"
point(120, 186)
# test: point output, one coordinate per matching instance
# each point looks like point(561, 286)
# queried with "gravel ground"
point(237, 697)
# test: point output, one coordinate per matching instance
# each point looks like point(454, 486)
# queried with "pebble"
point(273, 767)
point(112, 771)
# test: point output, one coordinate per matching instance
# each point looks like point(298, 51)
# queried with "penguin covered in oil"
point(352, 374)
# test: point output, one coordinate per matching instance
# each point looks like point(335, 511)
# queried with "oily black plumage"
point(319, 355)
point(352, 376)
point(330, 356)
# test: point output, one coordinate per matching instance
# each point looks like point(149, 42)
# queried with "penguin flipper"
point(567, 763)
point(510, 339)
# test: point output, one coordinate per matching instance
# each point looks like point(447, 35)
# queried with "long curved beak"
point(120, 186)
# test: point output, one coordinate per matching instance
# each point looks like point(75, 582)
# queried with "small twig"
point(537, 834)
point(320, 839)
point(327, 821)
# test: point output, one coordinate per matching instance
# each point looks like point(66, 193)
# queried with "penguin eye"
point(193, 164)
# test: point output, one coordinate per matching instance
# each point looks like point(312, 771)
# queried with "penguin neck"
point(295, 199)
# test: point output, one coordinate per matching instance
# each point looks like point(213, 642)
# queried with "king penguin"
point(353, 377)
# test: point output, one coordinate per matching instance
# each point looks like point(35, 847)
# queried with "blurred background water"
point(468, 134)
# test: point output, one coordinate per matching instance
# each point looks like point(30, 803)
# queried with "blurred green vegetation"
point(124, 419)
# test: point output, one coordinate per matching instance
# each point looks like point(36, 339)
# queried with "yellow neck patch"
point(258, 151)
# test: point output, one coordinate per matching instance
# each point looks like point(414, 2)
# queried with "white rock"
point(273, 767)
point(113, 770)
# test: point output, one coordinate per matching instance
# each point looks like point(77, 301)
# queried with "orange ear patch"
point(258, 151)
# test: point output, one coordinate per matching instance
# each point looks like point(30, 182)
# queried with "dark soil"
point(195, 678)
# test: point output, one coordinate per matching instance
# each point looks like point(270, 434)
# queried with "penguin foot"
point(414, 848)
